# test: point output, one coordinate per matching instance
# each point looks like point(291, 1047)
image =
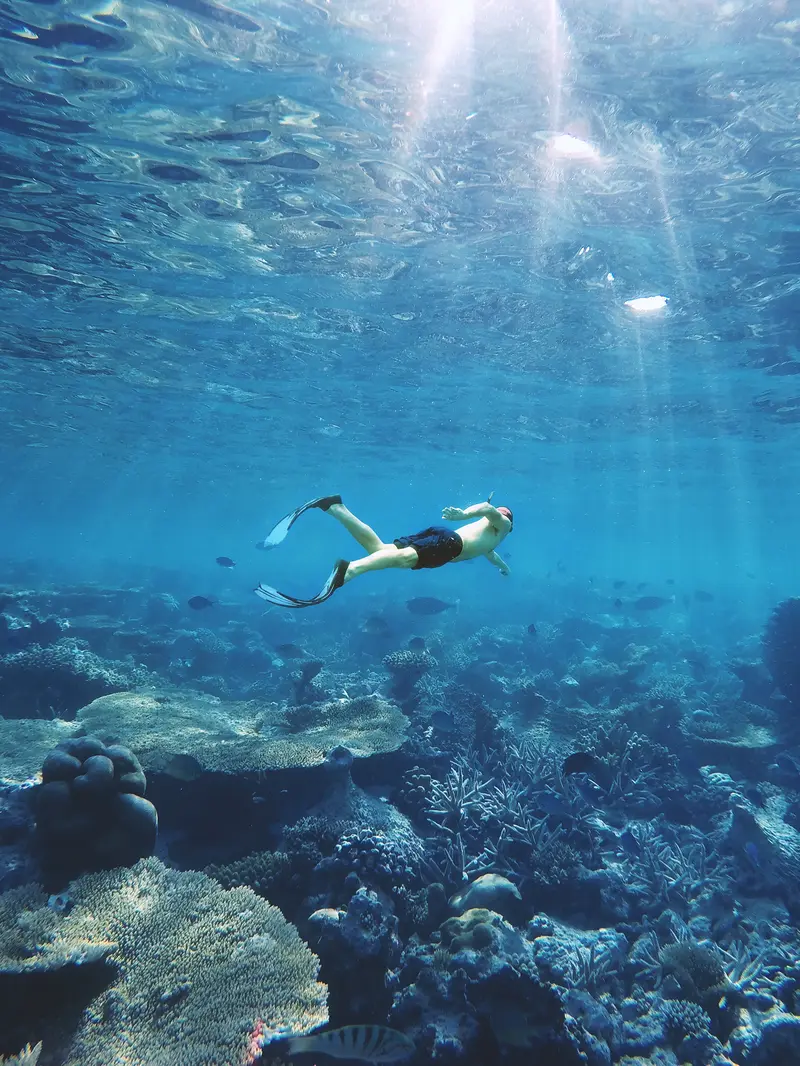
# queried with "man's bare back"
point(430, 548)
point(482, 536)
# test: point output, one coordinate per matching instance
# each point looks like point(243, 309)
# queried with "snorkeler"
point(432, 547)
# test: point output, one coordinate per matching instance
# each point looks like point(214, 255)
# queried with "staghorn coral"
point(34, 938)
point(29, 1056)
point(241, 737)
point(194, 965)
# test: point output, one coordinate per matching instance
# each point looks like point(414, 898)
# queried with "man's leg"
point(366, 537)
point(387, 557)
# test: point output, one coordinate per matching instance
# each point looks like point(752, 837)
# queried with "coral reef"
point(782, 649)
point(237, 738)
point(191, 966)
point(576, 843)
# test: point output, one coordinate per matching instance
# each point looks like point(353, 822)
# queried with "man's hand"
point(453, 514)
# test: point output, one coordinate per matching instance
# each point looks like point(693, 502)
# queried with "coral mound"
point(197, 967)
point(229, 737)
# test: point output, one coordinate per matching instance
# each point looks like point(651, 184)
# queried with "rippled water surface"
point(287, 247)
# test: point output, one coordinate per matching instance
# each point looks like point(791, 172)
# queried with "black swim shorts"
point(435, 546)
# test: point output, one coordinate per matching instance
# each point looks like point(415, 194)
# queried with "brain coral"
point(196, 966)
point(239, 737)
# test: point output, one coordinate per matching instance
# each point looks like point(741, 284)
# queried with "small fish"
point(368, 1043)
point(552, 802)
point(620, 583)
point(580, 762)
point(443, 721)
point(199, 603)
point(428, 605)
point(375, 626)
point(751, 851)
point(702, 596)
point(630, 843)
point(184, 768)
point(290, 651)
point(670, 580)
point(417, 643)
point(532, 629)
point(618, 603)
point(652, 603)
point(641, 585)
point(223, 560)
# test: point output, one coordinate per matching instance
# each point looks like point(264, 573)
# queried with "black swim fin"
point(278, 532)
point(283, 599)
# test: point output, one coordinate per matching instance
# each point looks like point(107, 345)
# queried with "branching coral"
point(29, 1056)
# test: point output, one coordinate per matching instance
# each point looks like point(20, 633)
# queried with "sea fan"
point(782, 648)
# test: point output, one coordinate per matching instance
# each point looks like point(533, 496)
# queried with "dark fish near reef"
point(619, 584)
point(184, 768)
point(417, 643)
point(630, 843)
point(375, 626)
point(751, 851)
point(199, 603)
point(368, 1043)
point(290, 651)
point(702, 596)
point(580, 762)
point(618, 604)
point(428, 605)
point(652, 603)
point(641, 585)
point(223, 560)
point(532, 629)
point(443, 721)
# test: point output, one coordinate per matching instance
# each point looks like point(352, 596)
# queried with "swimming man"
point(487, 526)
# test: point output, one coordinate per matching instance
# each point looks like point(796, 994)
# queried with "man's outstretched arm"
point(477, 510)
point(501, 565)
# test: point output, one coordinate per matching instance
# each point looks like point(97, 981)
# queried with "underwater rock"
point(481, 979)
point(490, 891)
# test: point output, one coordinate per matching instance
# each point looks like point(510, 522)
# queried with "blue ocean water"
point(415, 254)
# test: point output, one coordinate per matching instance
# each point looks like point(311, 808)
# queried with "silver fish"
point(369, 1043)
